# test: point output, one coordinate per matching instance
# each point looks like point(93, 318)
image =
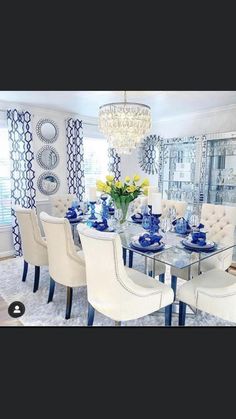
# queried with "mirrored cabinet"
point(179, 174)
point(220, 180)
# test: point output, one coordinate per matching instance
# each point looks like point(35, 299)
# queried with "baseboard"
point(7, 254)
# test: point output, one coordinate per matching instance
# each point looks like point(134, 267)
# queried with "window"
point(5, 180)
point(95, 161)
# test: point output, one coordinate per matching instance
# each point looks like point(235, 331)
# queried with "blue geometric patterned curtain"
point(75, 157)
point(114, 163)
point(23, 191)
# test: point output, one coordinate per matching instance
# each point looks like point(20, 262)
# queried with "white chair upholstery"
point(60, 204)
point(116, 291)
point(66, 264)
point(213, 292)
point(138, 203)
point(34, 246)
point(219, 221)
point(179, 206)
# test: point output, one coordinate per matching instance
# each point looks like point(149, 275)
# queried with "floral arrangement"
point(123, 193)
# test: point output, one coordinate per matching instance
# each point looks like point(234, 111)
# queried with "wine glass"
point(193, 221)
point(165, 226)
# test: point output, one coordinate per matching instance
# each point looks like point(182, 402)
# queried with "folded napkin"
point(200, 226)
point(137, 216)
point(71, 213)
point(100, 225)
point(148, 239)
point(199, 238)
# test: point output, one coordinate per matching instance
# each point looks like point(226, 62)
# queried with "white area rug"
point(39, 313)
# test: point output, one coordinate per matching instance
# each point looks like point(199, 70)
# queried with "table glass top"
point(174, 253)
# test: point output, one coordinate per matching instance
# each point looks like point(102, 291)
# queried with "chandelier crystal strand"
point(124, 124)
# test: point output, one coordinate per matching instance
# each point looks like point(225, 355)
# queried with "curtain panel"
point(75, 158)
point(114, 163)
point(23, 190)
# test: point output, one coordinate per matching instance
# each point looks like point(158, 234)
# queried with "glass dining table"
point(174, 254)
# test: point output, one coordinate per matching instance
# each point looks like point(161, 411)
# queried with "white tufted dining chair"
point(118, 292)
point(139, 203)
point(66, 264)
point(34, 246)
point(213, 292)
point(219, 221)
point(60, 204)
point(179, 206)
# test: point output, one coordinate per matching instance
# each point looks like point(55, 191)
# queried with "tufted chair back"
point(65, 264)
point(33, 245)
point(61, 203)
point(111, 290)
point(179, 206)
point(138, 203)
point(220, 221)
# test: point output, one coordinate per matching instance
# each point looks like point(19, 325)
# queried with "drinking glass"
point(146, 223)
point(165, 226)
point(193, 221)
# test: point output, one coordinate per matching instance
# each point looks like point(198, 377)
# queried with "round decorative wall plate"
point(148, 155)
point(48, 183)
point(47, 157)
point(47, 130)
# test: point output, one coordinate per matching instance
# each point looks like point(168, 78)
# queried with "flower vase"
point(121, 215)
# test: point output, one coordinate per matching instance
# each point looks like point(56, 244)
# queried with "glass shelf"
point(226, 185)
point(221, 155)
point(182, 181)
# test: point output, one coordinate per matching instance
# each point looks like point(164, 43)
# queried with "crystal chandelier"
point(124, 124)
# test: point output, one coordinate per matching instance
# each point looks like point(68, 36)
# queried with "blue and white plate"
point(155, 247)
point(194, 246)
point(75, 220)
point(137, 221)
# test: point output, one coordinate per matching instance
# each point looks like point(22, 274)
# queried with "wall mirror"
point(47, 157)
point(148, 154)
point(48, 183)
point(47, 130)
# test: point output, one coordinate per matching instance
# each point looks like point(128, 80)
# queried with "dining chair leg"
point(36, 278)
point(131, 255)
point(124, 255)
point(69, 302)
point(174, 284)
point(162, 278)
point(182, 313)
point(25, 271)
point(51, 290)
point(117, 324)
point(168, 315)
point(91, 312)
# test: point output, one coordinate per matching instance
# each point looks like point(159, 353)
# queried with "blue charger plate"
point(137, 221)
point(152, 248)
point(193, 246)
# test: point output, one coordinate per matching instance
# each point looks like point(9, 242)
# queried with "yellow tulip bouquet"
point(123, 193)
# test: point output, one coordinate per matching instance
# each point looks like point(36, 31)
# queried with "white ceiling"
point(164, 104)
